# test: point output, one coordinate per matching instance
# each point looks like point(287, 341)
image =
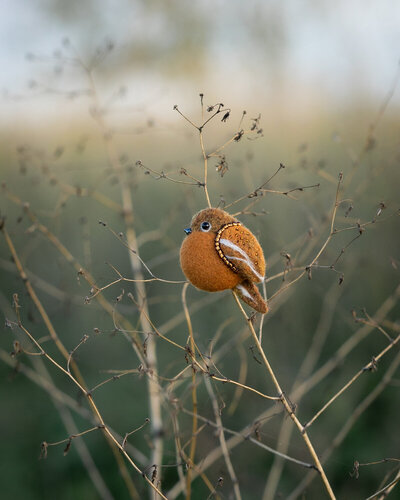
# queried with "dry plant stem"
point(194, 395)
point(374, 125)
point(247, 437)
point(126, 280)
point(72, 436)
point(306, 386)
point(383, 461)
point(227, 143)
point(96, 195)
point(222, 441)
point(64, 352)
point(88, 395)
point(216, 151)
point(242, 378)
point(127, 205)
point(128, 328)
point(255, 191)
point(79, 269)
point(155, 403)
point(347, 347)
point(43, 285)
point(225, 380)
point(44, 383)
point(80, 444)
point(58, 343)
point(66, 400)
point(245, 433)
point(200, 473)
point(260, 330)
point(205, 158)
point(167, 327)
point(203, 151)
point(321, 332)
point(141, 262)
point(274, 475)
point(181, 456)
point(359, 410)
point(286, 403)
point(222, 379)
point(178, 449)
point(329, 366)
point(321, 250)
point(368, 367)
point(388, 488)
point(36, 301)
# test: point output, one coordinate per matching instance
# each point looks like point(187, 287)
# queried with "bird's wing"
point(241, 248)
point(249, 293)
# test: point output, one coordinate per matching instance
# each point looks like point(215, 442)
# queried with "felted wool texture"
point(215, 216)
point(203, 266)
point(255, 300)
point(227, 256)
point(250, 258)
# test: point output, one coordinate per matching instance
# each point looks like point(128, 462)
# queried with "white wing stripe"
point(244, 292)
point(246, 259)
point(231, 257)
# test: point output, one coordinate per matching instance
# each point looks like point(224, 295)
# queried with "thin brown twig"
point(387, 305)
point(248, 437)
point(307, 366)
point(90, 399)
point(193, 442)
point(389, 487)
point(322, 248)
point(287, 404)
point(368, 367)
point(221, 437)
point(70, 426)
point(79, 379)
point(386, 488)
point(81, 271)
point(70, 438)
point(61, 397)
point(351, 420)
point(254, 193)
point(128, 213)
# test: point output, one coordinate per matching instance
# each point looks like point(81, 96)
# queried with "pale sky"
point(345, 49)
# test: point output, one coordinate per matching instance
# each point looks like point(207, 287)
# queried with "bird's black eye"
point(205, 226)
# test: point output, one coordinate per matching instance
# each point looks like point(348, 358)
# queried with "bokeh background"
point(320, 74)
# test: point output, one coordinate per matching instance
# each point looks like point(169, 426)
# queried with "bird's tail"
point(249, 293)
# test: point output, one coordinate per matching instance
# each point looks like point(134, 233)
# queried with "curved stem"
point(128, 214)
point(286, 403)
point(205, 158)
point(194, 395)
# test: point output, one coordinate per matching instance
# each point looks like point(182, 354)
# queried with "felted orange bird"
point(219, 253)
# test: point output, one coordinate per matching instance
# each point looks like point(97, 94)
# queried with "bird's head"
point(209, 220)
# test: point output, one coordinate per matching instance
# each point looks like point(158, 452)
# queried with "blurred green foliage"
point(36, 174)
point(316, 120)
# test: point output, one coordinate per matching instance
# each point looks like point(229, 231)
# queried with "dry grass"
point(186, 448)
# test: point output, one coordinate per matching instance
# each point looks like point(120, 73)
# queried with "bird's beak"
point(188, 230)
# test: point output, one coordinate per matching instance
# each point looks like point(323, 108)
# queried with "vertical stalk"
point(194, 395)
point(128, 215)
point(205, 158)
point(286, 403)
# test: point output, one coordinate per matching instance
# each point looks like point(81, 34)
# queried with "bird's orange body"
point(203, 266)
point(219, 253)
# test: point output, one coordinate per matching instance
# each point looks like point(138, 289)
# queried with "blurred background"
point(322, 78)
